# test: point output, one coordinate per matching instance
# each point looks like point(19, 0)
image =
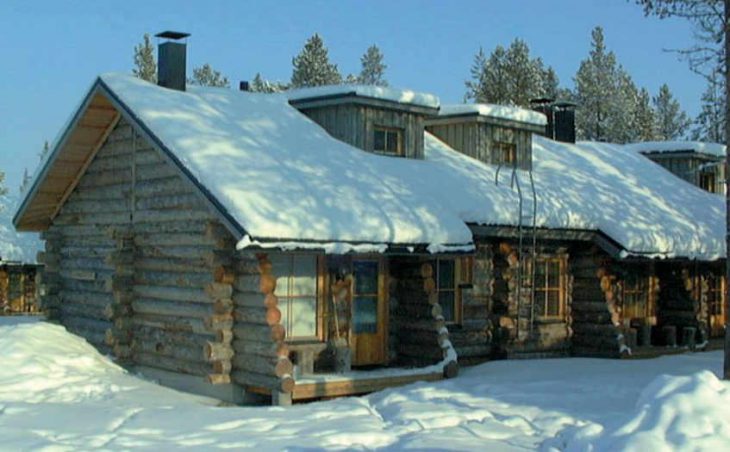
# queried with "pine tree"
point(644, 117)
point(671, 121)
point(373, 68)
point(144, 60)
point(551, 84)
point(312, 66)
point(351, 79)
point(509, 76)
point(595, 89)
point(261, 85)
point(622, 126)
point(205, 75)
point(710, 122)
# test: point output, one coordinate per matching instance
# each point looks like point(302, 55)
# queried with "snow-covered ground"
point(58, 393)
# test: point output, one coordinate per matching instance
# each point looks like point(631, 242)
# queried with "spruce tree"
point(262, 85)
point(644, 117)
point(205, 75)
point(45, 151)
point(373, 68)
point(25, 181)
point(144, 60)
point(671, 121)
point(509, 76)
point(622, 126)
point(312, 66)
point(595, 90)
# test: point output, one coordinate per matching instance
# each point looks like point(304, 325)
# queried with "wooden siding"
point(689, 168)
point(477, 139)
point(354, 124)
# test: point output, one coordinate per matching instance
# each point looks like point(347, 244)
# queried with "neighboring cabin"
point(700, 164)
point(236, 249)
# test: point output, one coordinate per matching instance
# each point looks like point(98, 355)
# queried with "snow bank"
point(402, 96)
point(495, 111)
point(673, 413)
point(58, 393)
point(588, 186)
point(677, 146)
point(16, 246)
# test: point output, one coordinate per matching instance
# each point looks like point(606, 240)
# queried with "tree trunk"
point(726, 24)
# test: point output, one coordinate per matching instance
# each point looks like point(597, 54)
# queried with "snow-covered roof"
point(16, 246)
point(495, 111)
point(282, 178)
point(284, 182)
point(588, 186)
point(403, 96)
point(660, 147)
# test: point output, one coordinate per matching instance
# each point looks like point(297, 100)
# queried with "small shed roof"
point(382, 93)
point(495, 111)
point(662, 147)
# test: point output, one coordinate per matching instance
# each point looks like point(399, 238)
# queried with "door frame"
point(383, 332)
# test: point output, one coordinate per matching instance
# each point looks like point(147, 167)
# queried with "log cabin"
point(318, 243)
point(701, 164)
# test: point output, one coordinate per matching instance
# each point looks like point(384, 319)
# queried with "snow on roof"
point(495, 111)
point(588, 186)
point(15, 246)
point(677, 146)
point(282, 177)
point(285, 181)
point(403, 96)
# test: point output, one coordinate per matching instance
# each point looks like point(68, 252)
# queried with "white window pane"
point(281, 266)
point(303, 320)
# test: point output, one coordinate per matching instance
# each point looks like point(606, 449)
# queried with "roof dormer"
point(495, 134)
point(376, 119)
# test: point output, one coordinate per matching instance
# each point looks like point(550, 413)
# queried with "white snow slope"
point(16, 246)
point(284, 180)
point(58, 393)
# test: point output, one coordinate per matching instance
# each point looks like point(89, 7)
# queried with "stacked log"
point(120, 283)
point(473, 341)
point(595, 307)
point(261, 354)
point(50, 279)
point(417, 336)
point(449, 357)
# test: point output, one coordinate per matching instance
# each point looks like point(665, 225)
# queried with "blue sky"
point(52, 50)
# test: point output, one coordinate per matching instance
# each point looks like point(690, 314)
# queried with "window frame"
point(500, 149)
point(643, 283)
point(707, 181)
point(398, 131)
point(463, 276)
point(716, 295)
point(546, 289)
point(319, 293)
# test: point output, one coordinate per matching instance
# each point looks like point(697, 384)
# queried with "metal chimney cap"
point(172, 35)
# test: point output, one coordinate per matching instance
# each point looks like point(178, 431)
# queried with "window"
point(707, 182)
point(296, 288)
point(715, 295)
point(365, 299)
point(550, 287)
point(388, 140)
point(504, 153)
point(451, 274)
point(637, 297)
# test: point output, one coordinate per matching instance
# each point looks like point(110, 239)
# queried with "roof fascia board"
point(50, 161)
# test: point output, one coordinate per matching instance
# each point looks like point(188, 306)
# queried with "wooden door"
point(369, 324)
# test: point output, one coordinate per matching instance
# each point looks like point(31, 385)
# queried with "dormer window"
point(505, 153)
point(388, 140)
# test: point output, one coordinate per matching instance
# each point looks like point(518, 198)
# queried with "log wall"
point(133, 264)
point(522, 333)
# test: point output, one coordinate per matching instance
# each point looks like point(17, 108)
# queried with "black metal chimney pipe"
point(171, 60)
